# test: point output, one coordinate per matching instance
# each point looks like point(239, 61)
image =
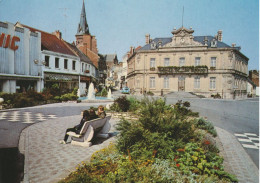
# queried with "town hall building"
point(203, 65)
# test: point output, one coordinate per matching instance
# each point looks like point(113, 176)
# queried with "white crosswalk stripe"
point(248, 140)
point(3, 115)
point(25, 117)
point(15, 116)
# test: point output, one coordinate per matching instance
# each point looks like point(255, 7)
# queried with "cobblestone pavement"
point(47, 161)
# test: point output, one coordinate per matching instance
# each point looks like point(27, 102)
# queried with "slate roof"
point(83, 25)
point(81, 55)
point(196, 38)
point(109, 57)
point(51, 43)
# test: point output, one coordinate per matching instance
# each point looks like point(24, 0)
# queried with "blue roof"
point(196, 38)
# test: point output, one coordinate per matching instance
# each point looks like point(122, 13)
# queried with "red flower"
point(181, 150)
point(178, 165)
point(207, 142)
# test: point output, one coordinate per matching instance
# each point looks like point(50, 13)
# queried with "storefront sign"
point(8, 40)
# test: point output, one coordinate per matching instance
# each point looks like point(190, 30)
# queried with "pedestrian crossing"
point(25, 116)
point(248, 140)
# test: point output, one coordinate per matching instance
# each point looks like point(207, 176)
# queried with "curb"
point(236, 160)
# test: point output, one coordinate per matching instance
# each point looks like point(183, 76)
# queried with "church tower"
point(85, 42)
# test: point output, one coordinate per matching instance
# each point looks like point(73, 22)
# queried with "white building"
point(20, 53)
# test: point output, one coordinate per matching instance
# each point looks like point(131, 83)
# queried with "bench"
point(100, 127)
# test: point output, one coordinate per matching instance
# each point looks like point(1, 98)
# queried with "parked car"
point(125, 90)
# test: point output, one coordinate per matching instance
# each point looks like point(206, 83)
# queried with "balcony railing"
point(184, 69)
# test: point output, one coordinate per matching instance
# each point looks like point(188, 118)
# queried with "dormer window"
point(153, 45)
point(213, 43)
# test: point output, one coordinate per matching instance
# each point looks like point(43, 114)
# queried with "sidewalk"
point(47, 161)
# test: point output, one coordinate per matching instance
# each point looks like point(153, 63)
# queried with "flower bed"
point(165, 144)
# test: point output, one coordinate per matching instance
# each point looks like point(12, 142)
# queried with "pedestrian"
point(85, 117)
point(101, 111)
point(92, 113)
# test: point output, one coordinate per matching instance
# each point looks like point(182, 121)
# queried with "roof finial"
point(182, 15)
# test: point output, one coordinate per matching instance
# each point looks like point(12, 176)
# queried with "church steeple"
point(83, 25)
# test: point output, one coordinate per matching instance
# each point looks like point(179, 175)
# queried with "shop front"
point(66, 82)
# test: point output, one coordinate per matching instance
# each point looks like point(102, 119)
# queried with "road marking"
point(255, 139)
point(40, 117)
point(15, 116)
point(248, 140)
point(28, 118)
point(3, 115)
point(240, 135)
point(250, 146)
point(250, 134)
point(52, 116)
point(244, 140)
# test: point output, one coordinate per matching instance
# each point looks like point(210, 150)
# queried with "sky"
point(119, 24)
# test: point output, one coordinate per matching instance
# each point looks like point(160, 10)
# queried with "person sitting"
point(85, 117)
point(92, 113)
point(101, 112)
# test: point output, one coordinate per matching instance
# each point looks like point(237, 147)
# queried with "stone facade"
point(203, 65)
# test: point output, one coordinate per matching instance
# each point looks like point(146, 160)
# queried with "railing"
point(184, 69)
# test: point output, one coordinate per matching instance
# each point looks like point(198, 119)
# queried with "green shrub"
point(104, 92)
point(121, 104)
point(134, 104)
point(206, 125)
point(182, 110)
point(150, 93)
point(158, 147)
point(35, 95)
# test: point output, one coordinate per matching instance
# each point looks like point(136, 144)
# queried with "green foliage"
point(134, 104)
point(206, 125)
point(75, 91)
point(104, 92)
point(161, 146)
point(150, 93)
point(121, 104)
point(182, 110)
point(68, 96)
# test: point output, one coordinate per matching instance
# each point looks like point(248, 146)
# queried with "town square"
point(144, 91)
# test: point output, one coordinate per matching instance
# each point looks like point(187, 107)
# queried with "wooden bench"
point(100, 127)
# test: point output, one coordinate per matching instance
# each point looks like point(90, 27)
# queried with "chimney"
point(147, 39)
point(220, 35)
point(233, 45)
point(131, 50)
point(57, 33)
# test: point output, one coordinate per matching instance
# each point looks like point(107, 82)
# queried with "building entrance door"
point(181, 83)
